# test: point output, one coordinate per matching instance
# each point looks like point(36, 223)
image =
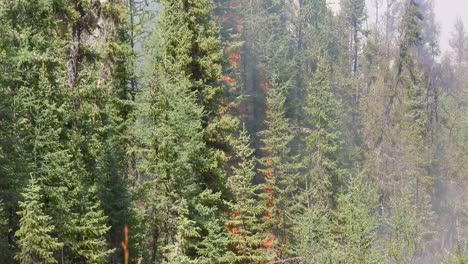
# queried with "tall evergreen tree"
point(280, 171)
point(354, 14)
point(357, 223)
point(315, 229)
point(315, 226)
point(245, 223)
point(87, 229)
point(37, 245)
point(410, 209)
point(324, 174)
point(180, 129)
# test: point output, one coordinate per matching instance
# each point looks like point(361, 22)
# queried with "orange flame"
point(125, 244)
point(265, 86)
point(229, 80)
point(270, 241)
point(239, 28)
point(268, 174)
point(235, 57)
point(226, 109)
point(235, 213)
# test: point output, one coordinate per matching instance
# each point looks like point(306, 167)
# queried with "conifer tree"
point(315, 224)
point(117, 78)
point(324, 173)
point(410, 209)
point(30, 38)
point(406, 229)
point(81, 231)
point(357, 223)
point(173, 142)
point(35, 236)
point(245, 222)
point(41, 108)
point(314, 229)
point(354, 14)
point(170, 164)
point(279, 170)
point(179, 128)
point(88, 229)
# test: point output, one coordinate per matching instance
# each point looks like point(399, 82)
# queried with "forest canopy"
point(231, 131)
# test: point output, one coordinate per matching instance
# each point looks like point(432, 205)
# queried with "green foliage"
point(357, 223)
point(406, 231)
point(315, 232)
point(324, 174)
point(37, 245)
point(88, 227)
point(279, 169)
point(245, 222)
point(176, 122)
point(168, 164)
point(458, 257)
point(4, 233)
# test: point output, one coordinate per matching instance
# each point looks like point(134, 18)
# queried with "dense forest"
point(231, 131)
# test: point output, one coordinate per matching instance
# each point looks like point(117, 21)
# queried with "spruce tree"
point(323, 143)
point(35, 236)
point(410, 209)
point(357, 223)
point(42, 112)
point(406, 229)
point(84, 227)
point(315, 225)
point(29, 43)
point(315, 231)
point(88, 227)
point(179, 129)
point(99, 116)
point(245, 222)
point(279, 170)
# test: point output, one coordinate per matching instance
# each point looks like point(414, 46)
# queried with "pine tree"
point(406, 229)
point(357, 223)
point(178, 121)
point(315, 232)
point(354, 13)
point(37, 245)
point(245, 223)
point(89, 227)
point(279, 171)
point(315, 224)
point(324, 173)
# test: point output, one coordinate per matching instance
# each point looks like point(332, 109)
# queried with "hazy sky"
point(446, 13)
